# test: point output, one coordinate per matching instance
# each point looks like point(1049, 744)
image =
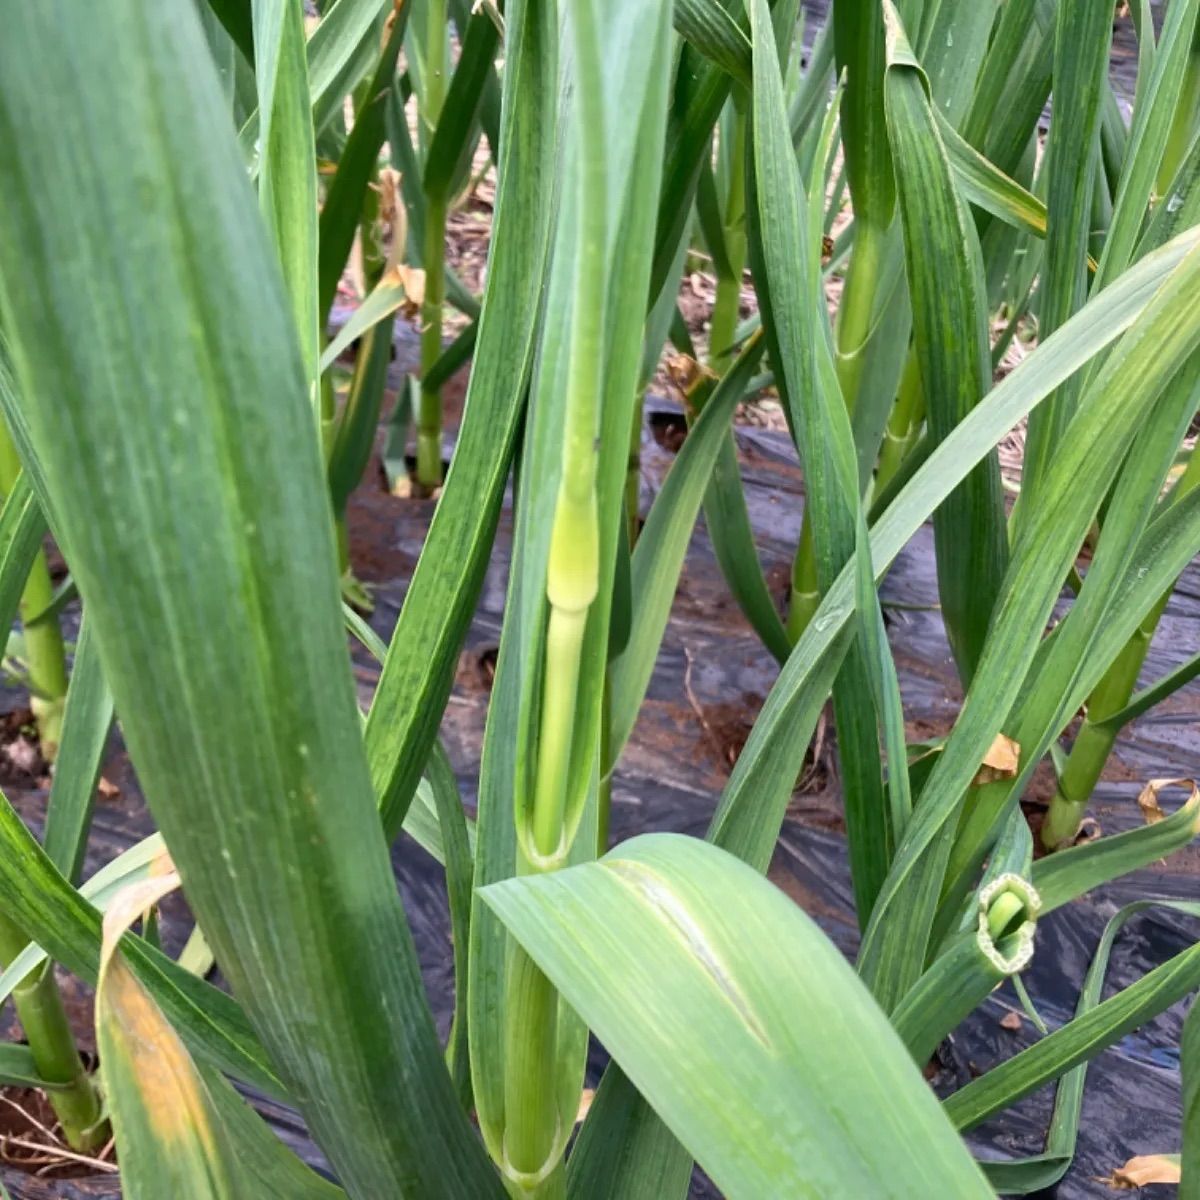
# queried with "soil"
point(30, 1141)
point(21, 761)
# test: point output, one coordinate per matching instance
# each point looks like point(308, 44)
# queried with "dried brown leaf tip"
point(1148, 797)
point(1145, 1169)
point(687, 375)
point(1000, 762)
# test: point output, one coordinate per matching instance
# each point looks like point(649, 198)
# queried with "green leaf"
point(1095, 1026)
point(671, 951)
point(452, 824)
point(983, 184)
point(17, 1068)
point(1189, 1061)
point(661, 547)
point(236, 17)
point(473, 75)
point(1083, 35)
point(179, 1128)
point(384, 298)
point(343, 47)
point(1152, 119)
point(86, 723)
point(190, 394)
point(713, 28)
point(342, 208)
point(287, 174)
point(859, 47)
point(60, 919)
point(441, 597)
point(750, 813)
point(1120, 398)
point(1062, 877)
point(950, 337)
point(354, 431)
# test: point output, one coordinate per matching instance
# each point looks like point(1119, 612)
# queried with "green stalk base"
point(1063, 819)
point(38, 1002)
point(429, 443)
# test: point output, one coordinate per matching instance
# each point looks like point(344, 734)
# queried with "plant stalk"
point(1094, 742)
point(45, 655)
point(531, 1123)
point(1185, 122)
point(903, 425)
point(429, 408)
point(1095, 739)
point(725, 313)
point(854, 325)
point(39, 1005)
point(532, 1143)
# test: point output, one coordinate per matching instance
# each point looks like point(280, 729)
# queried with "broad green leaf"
point(287, 174)
point(1083, 34)
point(950, 336)
point(343, 205)
point(713, 28)
point(858, 31)
point(787, 276)
point(473, 75)
point(86, 723)
point(671, 950)
point(189, 391)
point(1152, 118)
point(441, 597)
point(952, 40)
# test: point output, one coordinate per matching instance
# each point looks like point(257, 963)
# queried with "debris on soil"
point(31, 1141)
point(21, 761)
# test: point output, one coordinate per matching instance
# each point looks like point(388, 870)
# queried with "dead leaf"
point(1000, 762)
point(1144, 1169)
point(1011, 1021)
point(413, 279)
point(687, 375)
point(1148, 797)
point(585, 1103)
point(107, 788)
